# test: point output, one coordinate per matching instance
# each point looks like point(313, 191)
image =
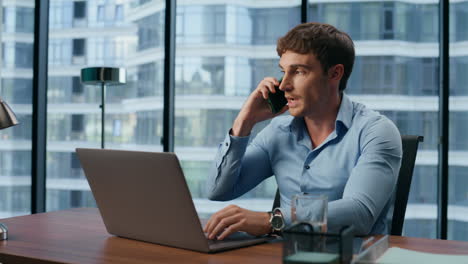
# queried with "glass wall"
point(107, 33)
point(222, 52)
point(17, 41)
point(223, 49)
point(458, 107)
point(396, 73)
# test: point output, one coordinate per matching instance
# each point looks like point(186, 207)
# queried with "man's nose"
point(285, 85)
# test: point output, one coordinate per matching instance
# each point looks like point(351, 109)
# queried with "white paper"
point(397, 255)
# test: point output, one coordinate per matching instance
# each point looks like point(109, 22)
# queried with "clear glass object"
point(312, 209)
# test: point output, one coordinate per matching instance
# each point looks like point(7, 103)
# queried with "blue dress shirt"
point(356, 166)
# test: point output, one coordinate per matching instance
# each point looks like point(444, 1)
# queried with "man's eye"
point(299, 72)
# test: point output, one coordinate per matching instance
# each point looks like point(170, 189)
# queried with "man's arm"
point(371, 182)
point(238, 168)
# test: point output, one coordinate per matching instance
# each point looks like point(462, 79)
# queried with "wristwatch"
point(276, 221)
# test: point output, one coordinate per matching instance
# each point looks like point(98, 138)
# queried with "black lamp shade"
point(7, 117)
point(106, 75)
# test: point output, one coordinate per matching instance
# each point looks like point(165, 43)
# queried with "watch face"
point(277, 222)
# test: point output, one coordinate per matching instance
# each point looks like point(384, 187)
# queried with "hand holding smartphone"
point(276, 100)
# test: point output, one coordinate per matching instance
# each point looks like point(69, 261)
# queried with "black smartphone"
point(276, 101)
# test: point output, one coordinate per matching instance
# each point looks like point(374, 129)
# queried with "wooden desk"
point(79, 236)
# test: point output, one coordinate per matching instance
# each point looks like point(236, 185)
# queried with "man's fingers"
point(212, 222)
point(270, 86)
point(267, 85)
point(231, 229)
point(218, 216)
point(263, 92)
point(234, 218)
point(224, 223)
point(272, 80)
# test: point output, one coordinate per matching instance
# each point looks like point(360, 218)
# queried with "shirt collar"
point(344, 117)
point(345, 113)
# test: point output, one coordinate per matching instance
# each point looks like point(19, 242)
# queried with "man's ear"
point(336, 72)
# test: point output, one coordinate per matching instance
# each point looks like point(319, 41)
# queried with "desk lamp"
point(7, 119)
point(104, 76)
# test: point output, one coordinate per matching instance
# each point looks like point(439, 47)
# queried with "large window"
point(458, 107)
point(380, 20)
point(94, 33)
point(222, 52)
point(386, 78)
point(16, 89)
point(223, 49)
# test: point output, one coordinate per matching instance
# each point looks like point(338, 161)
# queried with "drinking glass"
point(312, 209)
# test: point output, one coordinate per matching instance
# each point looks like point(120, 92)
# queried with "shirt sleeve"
point(238, 168)
point(372, 180)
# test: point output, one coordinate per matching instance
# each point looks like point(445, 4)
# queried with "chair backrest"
point(410, 148)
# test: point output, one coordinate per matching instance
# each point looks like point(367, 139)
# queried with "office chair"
point(400, 198)
point(410, 148)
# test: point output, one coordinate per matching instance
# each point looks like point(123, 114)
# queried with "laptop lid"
point(143, 196)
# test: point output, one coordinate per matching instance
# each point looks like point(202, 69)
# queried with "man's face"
point(305, 84)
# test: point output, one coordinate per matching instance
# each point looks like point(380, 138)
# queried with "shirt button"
point(307, 167)
point(227, 144)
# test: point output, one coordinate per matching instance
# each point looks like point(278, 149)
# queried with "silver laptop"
point(144, 196)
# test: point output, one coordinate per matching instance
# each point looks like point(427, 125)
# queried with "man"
point(328, 145)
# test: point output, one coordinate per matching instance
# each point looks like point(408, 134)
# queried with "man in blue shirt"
point(327, 145)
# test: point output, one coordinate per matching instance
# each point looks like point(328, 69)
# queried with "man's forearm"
point(242, 127)
point(349, 212)
point(225, 175)
point(237, 169)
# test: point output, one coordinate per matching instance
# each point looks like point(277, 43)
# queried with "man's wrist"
point(267, 225)
point(241, 128)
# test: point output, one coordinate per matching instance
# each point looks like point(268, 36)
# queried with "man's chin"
point(295, 112)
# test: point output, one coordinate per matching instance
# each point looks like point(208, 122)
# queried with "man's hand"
point(256, 108)
point(233, 218)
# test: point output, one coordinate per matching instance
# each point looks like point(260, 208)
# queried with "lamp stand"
point(103, 109)
point(104, 76)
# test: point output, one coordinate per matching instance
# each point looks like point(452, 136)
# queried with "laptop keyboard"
point(237, 236)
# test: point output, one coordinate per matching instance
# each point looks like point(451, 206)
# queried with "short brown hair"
point(328, 44)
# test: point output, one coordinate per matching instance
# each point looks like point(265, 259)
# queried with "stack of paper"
point(397, 255)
